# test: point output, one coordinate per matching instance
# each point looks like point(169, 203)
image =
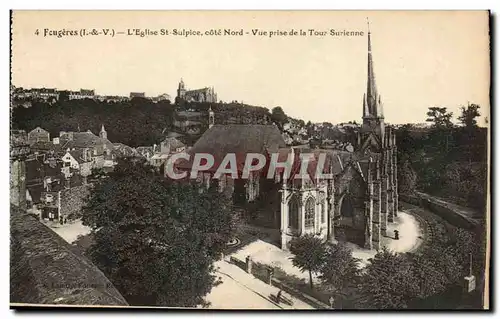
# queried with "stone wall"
point(73, 199)
point(447, 212)
point(18, 183)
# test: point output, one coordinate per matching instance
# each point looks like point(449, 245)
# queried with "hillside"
point(135, 123)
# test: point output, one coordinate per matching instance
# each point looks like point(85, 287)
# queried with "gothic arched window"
point(309, 216)
point(293, 209)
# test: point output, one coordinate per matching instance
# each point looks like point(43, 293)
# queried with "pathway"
point(240, 290)
point(411, 237)
point(71, 230)
point(464, 211)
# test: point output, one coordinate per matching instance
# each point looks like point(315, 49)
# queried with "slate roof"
point(124, 150)
point(45, 269)
point(174, 143)
point(38, 129)
point(87, 140)
point(77, 155)
point(37, 168)
point(143, 150)
point(335, 161)
point(240, 139)
point(159, 156)
point(35, 192)
point(47, 147)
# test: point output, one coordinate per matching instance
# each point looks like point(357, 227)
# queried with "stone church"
point(355, 203)
point(206, 94)
point(362, 197)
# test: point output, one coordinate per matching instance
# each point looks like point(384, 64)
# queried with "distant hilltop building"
point(137, 94)
point(82, 94)
point(162, 97)
point(36, 93)
point(206, 94)
point(24, 96)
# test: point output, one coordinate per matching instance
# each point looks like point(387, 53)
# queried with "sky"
point(421, 58)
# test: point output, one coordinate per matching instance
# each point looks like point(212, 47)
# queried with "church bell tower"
point(181, 90)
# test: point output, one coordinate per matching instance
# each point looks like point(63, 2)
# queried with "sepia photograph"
point(250, 160)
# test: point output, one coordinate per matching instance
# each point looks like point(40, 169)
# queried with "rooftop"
point(45, 269)
point(240, 139)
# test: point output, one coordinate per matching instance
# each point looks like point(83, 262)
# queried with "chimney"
point(55, 140)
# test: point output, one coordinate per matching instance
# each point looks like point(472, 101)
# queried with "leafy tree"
point(278, 116)
point(156, 239)
point(439, 117)
point(465, 244)
point(138, 122)
point(469, 115)
point(340, 269)
point(387, 282)
point(310, 129)
point(428, 274)
point(309, 253)
point(407, 178)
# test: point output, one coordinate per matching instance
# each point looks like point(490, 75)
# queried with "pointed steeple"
point(373, 117)
point(372, 97)
point(103, 134)
point(366, 112)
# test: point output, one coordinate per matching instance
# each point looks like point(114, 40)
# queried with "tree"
point(387, 282)
point(439, 117)
point(407, 178)
point(428, 274)
point(469, 114)
point(466, 244)
point(340, 269)
point(441, 120)
point(310, 129)
point(156, 239)
point(309, 253)
point(279, 117)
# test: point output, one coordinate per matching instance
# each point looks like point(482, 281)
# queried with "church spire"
point(103, 134)
point(373, 116)
point(372, 97)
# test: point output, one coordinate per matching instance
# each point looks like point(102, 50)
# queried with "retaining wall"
point(438, 207)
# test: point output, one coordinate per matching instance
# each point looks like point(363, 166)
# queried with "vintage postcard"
point(280, 160)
